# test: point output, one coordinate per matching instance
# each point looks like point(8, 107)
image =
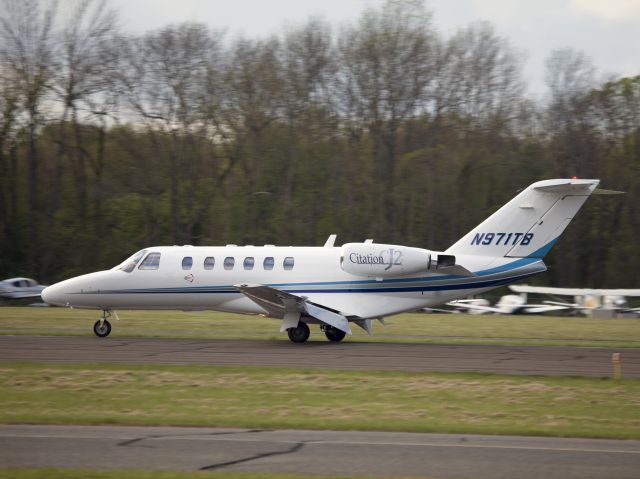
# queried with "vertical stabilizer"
point(529, 224)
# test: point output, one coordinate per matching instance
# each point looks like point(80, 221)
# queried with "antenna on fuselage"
point(331, 240)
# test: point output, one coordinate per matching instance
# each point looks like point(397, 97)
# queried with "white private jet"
point(334, 286)
point(585, 299)
point(20, 288)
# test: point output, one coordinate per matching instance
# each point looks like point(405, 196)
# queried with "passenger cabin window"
point(209, 262)
point(152, 261)
point(249, 261)
point(229, 262)
point(187, 262)
point(129, 265)
point(287, 264)
point(268, 262)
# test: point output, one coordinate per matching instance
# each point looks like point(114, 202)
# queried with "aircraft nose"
point(53, 295)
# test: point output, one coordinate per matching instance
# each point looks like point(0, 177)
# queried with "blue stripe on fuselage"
point(530, 260)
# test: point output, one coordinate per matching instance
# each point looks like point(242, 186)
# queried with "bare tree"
point(386, 69)
point(165, 79)
point(27, 49)
point(570, 76)
point(479, 77)
point(84, 85)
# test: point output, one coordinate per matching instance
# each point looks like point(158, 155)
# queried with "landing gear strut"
point(333, 334)
point(102, 327)
point(300, 333)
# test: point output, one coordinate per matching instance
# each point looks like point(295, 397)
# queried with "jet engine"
point(385, 260)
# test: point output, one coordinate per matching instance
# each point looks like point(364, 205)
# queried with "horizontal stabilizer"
point(600, 191)
point(566, 186)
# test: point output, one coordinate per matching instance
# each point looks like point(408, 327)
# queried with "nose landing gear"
point(102, 327)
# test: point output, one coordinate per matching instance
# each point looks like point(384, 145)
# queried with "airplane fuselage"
point(312, 272)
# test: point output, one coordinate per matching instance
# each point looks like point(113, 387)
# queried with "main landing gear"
point(300, 333)
point(333, 334)
point(102, 327)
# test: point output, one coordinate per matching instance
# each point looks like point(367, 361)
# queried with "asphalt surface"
point(530, 360)
point(316, 452)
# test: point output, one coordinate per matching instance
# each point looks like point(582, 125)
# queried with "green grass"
point(134, 474)
point(311, 399)
point(415, 327)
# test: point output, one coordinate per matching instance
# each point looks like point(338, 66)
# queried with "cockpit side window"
point(152, 261)
point(129, 265)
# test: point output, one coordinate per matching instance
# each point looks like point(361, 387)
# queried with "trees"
point(28, 63)
point(384, 128)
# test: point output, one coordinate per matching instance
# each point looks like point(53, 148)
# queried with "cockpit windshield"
point(129, 265)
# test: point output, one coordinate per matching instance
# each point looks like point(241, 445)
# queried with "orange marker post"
point(616, 358)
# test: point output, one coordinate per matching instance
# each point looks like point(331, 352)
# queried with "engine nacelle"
point(385, 260)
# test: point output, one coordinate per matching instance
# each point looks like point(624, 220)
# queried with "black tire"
point(102, 330)
point(300, 333)
point(334, 334)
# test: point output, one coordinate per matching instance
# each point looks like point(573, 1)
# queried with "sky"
point(608, 31)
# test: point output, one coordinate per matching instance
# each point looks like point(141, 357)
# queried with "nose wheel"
point(102, 327)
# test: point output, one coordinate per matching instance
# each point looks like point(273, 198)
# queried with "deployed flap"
point(272, 300)
point(289, 306)
point(290, 320)
point(329, 317)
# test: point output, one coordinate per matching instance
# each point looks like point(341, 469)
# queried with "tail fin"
point(529, 224)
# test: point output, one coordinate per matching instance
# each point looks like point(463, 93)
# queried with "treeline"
point(384, 128)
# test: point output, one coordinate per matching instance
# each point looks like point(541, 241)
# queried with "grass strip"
point(414, 327)
point(49, 393)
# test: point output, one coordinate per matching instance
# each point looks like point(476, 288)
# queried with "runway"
point(316, 452)
point(529, 360)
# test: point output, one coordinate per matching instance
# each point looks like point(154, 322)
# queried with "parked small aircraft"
point(19, 288)
point(334, 286)
point(508, 304)
point(585, 299)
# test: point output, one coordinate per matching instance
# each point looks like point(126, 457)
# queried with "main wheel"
point(300, 333)
point(334, 334)
point(102, 328)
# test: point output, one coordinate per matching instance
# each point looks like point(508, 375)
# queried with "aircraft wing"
point(524, 288)
point(543, 308)
point(290, 306)
point(19, 294)
point(525, 308)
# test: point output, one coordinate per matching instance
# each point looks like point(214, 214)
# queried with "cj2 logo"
point(511, 239)
point(390, 257)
